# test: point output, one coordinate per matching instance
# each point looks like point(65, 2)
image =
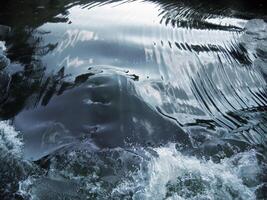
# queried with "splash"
point(10, 139)
point(172, 175)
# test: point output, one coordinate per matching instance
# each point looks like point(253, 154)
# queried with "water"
point(133, 100)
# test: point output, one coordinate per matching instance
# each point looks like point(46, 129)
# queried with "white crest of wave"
point(9, 138)
point(174, 176)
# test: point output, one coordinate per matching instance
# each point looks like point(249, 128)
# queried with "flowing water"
point(133, 99)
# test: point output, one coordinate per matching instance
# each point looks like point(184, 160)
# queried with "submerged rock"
point(4, 62)
point(4, 84)
point(106, 109)
point(45, 188)
point(4, 77)
point(4, 31)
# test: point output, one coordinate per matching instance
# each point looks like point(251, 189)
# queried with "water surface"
point(133, 100)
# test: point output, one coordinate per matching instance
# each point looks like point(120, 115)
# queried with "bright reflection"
point(108, 15)
point(136, 37)
point(127, 35)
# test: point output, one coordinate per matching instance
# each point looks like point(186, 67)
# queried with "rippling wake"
point(133, 100)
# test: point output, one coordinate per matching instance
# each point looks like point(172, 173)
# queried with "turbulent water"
point(153, 99)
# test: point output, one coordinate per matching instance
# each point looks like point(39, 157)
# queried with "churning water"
point(153, 99)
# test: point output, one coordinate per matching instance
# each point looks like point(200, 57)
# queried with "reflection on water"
point(112, 97)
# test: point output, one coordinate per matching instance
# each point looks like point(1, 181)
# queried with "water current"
point(151, 99)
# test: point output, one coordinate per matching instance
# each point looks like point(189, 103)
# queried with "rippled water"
point(133, 100)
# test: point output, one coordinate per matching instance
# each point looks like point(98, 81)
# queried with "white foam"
point(2, 47)
point(9, 138)
point(193, 178)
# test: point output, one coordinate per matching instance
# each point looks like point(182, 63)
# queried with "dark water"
point(133, 100)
